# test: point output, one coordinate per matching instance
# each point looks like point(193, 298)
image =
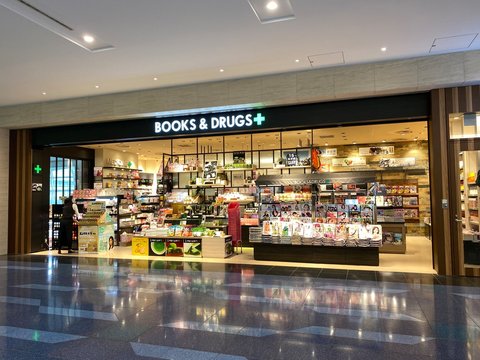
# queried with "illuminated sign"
point(209, 123)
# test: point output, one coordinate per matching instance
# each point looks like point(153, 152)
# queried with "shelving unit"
point(123, 178)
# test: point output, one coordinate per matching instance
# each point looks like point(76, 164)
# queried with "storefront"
point(259, 158)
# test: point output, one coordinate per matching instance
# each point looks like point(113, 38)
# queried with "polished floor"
point(70, 307)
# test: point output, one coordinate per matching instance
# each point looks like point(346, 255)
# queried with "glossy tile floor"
point(59, 307)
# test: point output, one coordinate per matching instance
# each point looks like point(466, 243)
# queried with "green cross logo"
point(37, 169)
point(259, 119)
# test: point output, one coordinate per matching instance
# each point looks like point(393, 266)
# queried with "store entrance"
point(151, 189)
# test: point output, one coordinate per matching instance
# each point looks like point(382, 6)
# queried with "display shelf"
point(129, 214)
point(149, 203)
point(411, 206)
point(407, 194)
point(238, 169)
point(121, 168)
point(184, 172)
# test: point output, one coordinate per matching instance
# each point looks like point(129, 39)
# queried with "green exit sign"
point(37, 168)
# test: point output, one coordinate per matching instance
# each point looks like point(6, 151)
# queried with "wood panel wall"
point(20, 189)
point(446, 231)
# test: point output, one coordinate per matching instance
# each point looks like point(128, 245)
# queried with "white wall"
point(4, 150)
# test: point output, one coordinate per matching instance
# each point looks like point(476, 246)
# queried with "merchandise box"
point(157, 247)
point(192, 247)
point(174, 247)
point(140, 246)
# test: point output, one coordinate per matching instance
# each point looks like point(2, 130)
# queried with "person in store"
point(70, 210)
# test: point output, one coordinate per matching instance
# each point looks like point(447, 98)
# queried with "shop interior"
point(158, 198)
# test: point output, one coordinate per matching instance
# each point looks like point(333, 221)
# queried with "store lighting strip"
point(54, 25)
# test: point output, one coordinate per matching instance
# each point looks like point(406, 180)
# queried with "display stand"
point(311, 196)
point(183, 246)
point(95, 230)
point(217, 246)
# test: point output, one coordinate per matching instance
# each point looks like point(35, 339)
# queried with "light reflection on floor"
point(96, 308)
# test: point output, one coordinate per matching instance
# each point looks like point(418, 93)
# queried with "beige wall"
point(4, 150)
point(343, 82)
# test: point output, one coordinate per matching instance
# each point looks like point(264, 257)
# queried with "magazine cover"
point(321, 211)
point(341, 232)
point(297, 228)
point(353, 231)
point(375, 231)
point(286, 228)
point(364, 232)
point(329, 231)
point(317, 230)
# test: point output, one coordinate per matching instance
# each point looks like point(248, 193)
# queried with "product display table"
point(317, 254)
point(178, 246)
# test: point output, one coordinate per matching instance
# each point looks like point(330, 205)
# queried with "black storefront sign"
point(337, 113)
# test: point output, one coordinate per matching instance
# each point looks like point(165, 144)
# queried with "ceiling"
point(348, 135)
point(189, 41)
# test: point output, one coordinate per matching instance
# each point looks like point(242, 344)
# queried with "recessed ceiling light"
point(416, 138)
point(456, 118)
point(39, 15)
point(88, 39)
point(326, 144)
point(155, 79)
point(383, 49)
point(97, 86)
point(138, 153)
point(297, 60)
point(272, 5)
point(44, 93)
point(222, 70)
point(384, 140)
point(124, 150)
point(272, 11)
point(354, 143)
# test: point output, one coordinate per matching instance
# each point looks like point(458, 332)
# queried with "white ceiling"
point(189, 41)
point(345, 135)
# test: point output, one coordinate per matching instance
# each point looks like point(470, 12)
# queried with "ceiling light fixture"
point(326, 144)
point(88, 39)
point(97, 86)
point(269, 11)
point(354, 143)
point(383, 49)
point(222, 70)
point(384, 140)
point(297, 60)
point(56, 26)
point(155, 79)
point(44, 93)
point(272, 5)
